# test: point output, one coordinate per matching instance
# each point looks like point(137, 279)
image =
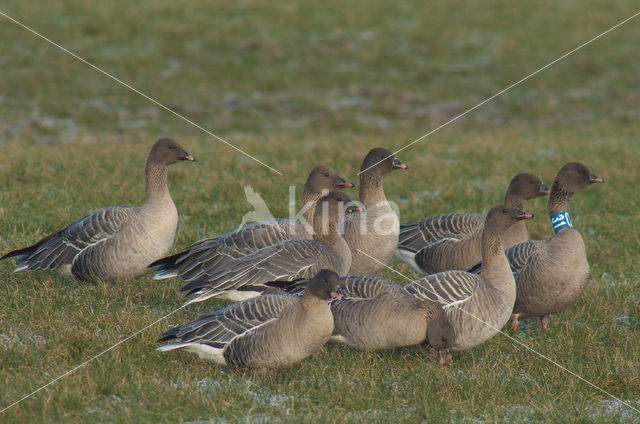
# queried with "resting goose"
point(377, 314)
point(552, 274)
point(116, 242)
point(374, 232)
point(265, 331)
point(282, 264)
point(454, 240)
point(204, 254)
point(477, 305)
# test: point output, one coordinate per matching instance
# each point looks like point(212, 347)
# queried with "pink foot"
point(445, 358)
point(514, 324)
point(545, 322)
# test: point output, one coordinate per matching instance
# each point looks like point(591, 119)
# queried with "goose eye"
point(172, 147)
point(532, 182)
point(504, 211)
point(383, 157)
point(326, 174)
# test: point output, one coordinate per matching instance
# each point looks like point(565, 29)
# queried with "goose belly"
point(553, 282)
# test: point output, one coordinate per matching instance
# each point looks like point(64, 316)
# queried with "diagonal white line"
point(93, 358)
point(508, 88)
point(157, 103)
point(517, 341)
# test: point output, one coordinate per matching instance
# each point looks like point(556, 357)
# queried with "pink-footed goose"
point(266, 331)
point(552, 274)
point(116, 242)
point(453, 241)
point(374, 232)
point(282, 264)
point(207, 253)
point(377, 314)
point(477, 305)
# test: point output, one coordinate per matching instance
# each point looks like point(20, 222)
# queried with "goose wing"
point(446, 288)
point(519, 254)
point(287, 261)
point(210, 252)
point(415, 235)
point(65, 245)
point(366, 286)
point(237, 320)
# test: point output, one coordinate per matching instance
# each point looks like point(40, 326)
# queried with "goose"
point(266, 331)
point(117, 242)
point(204, 254)
point(282, 264)
point(377, 314)
point(477, 305)
point(454, 240)
point(374, 233)
point(551, 274)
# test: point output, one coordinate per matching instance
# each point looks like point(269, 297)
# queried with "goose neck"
point(156, 182)
point(559, 198)
point(371, 189)
point(492, 248)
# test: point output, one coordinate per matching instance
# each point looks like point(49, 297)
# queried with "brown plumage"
point(282, 264)
point(192, 263)
point(551, 274)
point(265, 331)
point(477, 305)
point(454, 240)
point(377, 314)
point(117, 242)
point(374, 232)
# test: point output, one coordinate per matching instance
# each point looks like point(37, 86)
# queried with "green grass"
point(297, 85)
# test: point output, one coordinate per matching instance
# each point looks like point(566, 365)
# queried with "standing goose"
point(207, 253)
point(378, 314)
point(454, 240)
point(552, 274)
point(477, 305)
point(374, 232)
point(117, 242)
point(265, 331)
point(282, 264)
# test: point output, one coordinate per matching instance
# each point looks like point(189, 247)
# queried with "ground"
point(295, 85)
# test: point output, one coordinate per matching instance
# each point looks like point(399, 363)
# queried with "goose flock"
point(297, 284)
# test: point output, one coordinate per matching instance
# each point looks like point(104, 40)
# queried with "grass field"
point(298, 84)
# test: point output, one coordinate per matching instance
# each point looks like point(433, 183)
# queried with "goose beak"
point(544, 189)
point(342, 183)
point(525, 215)
point(595, 179)
point(338, 294)
point(400, 165)
point(186, 156)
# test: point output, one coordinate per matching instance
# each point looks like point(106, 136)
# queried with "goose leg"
point(545, 322)
point(514, 323)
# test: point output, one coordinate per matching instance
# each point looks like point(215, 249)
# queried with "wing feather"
point(63, 246)
point(290, 260)
point(237, 320)
point(447, 288)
